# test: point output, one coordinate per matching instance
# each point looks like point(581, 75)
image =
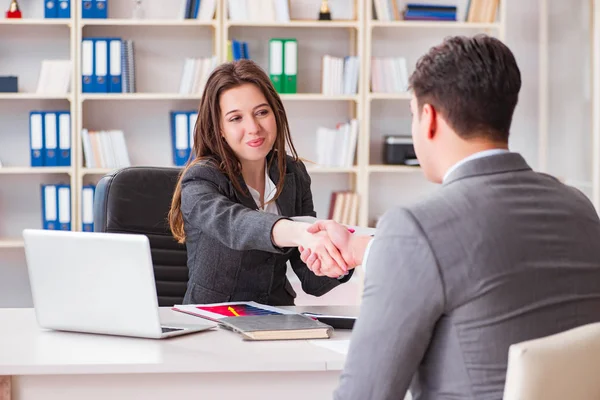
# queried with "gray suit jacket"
point(498, 255)
point(231, 256)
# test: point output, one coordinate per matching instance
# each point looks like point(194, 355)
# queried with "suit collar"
point(493, 164)
point(286, 200)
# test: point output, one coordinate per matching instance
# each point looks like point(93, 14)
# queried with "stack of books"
point(104, 149)
point(337, 147)
point(429, 12)
point(259, 10)
point(389, 75)
point(340, 75)
point(195, 74)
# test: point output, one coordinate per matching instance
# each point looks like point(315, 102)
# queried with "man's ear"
point(429, 121)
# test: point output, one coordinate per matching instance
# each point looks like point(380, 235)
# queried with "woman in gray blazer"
point(234, 198)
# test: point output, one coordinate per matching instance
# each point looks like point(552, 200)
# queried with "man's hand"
point(340, 236)
point(320, 245)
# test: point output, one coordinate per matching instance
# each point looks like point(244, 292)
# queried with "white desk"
point(215, 364)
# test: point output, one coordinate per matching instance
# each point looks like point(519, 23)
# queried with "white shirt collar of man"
point(481, 154)
point(270, 190)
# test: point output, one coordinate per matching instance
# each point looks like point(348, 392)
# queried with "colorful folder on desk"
point(256, 321)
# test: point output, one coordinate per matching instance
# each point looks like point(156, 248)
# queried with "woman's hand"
point(329, 261)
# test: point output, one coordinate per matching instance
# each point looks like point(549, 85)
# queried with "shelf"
point(330, 170)
point(390, 96)
point(393, 168)
point(6, 243)
point(33, 96)
point(139, 96)
point(318, 97)
point(435, 24)
point(35, 170)
point(295, 24)
point(146, 22)
point(35, 21)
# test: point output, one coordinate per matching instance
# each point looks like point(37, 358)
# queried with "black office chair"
point(137, 200)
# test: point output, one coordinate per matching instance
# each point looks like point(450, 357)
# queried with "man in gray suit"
point(497, 255)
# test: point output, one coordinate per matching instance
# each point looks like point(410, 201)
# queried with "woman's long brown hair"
point(207, 132)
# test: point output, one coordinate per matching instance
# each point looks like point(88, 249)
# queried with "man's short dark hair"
point(473, 82)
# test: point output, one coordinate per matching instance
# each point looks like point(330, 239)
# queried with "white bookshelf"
point(25, 44)
point(389, 113)
point(162, 42)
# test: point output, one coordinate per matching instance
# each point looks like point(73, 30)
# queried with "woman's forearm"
point(287, 233)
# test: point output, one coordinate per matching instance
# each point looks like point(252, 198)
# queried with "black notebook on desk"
point(256, 321)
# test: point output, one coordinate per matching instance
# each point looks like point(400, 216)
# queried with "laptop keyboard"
point(166, 330)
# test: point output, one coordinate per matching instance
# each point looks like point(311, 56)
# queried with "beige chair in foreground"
point(564, 366)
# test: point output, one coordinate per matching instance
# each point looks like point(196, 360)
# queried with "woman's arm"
point(206, 208)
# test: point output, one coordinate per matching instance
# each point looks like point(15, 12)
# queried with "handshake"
point(328, 249)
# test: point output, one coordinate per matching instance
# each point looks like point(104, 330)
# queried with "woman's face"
point(247, 123)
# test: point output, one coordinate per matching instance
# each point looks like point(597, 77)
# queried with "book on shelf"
point(55, 77)
point(195, 74)
point(202, 10)
point(429, 12)
point(340, 75)
point(343, 207)
point(259, 10)
point(237, 50)
point(482, 10)
point(389, 75)
point(476, 11)
point(255, 321)
point(337, 147)
point(104, 149)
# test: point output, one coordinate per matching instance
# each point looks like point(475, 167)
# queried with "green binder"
point(276, 63)
point(290, 65)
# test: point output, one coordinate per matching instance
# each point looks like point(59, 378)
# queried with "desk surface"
point(25, 349)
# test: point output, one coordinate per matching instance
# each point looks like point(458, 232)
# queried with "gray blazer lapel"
point(495, 164)
point(287, 199)
point(243, 198)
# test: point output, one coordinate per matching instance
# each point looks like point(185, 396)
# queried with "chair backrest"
point(560, 366)
point(137, 200)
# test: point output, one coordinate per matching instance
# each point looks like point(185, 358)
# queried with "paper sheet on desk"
point(339, 346)
point(358, 230)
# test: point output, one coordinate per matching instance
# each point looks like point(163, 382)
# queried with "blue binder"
point(63, 128)
point(64, 9)
point(50, 9)
point(63, 193)
point(49, 207)
point(115, 69)
point(101, 64)
point(100, 9)
point(50, 140)
point(36, 138)
point(180, 137)
point(87, 66)
point(87, 207)
point(236, 49)
point(87, 9)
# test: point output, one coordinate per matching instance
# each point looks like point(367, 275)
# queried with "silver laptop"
point(96, 282)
